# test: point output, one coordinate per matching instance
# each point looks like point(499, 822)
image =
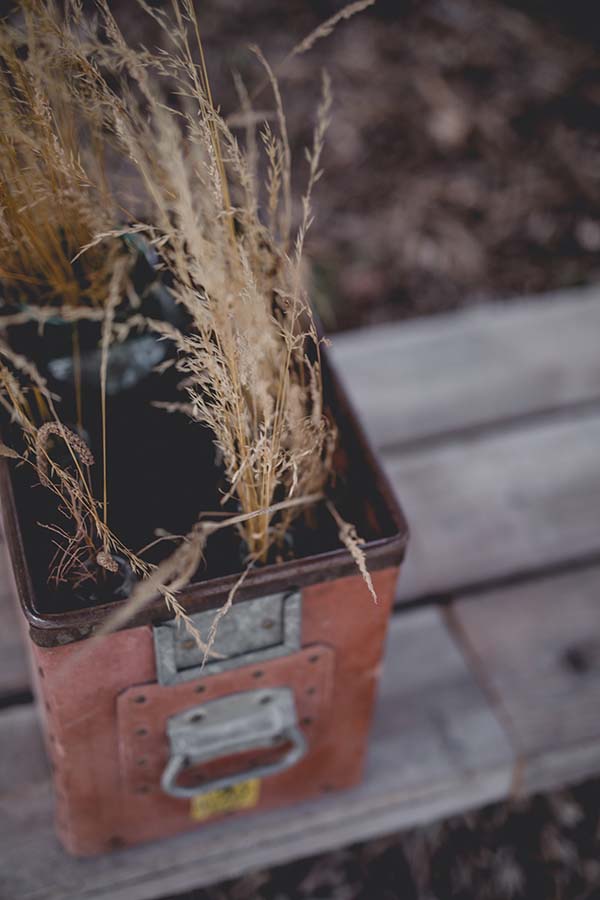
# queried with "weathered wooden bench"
point(489, 423)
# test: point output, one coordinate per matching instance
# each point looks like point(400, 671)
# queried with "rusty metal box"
point(145, 742)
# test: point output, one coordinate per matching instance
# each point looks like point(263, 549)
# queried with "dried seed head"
point(8, 452)
point(106, 561)
point(73, 441)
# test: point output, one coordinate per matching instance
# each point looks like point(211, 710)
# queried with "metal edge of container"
point(49, 630)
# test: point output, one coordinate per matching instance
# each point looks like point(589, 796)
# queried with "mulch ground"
point(463, 158)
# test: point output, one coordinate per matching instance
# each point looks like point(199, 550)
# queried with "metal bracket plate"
point(251, 632)
point(144, 711)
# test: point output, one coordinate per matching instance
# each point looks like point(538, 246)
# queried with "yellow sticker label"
point(231, 799)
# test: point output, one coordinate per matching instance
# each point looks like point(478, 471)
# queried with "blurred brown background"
point(463, 159)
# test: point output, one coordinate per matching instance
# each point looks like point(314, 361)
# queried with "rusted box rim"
point(48, 630)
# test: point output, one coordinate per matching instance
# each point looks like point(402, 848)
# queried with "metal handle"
point(252, 720)
point(176, 765)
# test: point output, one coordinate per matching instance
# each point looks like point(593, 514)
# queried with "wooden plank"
point(422, 379)
point(23, 761)
point(500, 505)
point(436, 749)
point(14, 675)
point(538, 648)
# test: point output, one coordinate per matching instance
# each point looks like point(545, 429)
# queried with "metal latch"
point(251, 720)
point(252, 631)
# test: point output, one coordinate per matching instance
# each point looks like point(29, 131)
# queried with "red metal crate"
point(146, 743)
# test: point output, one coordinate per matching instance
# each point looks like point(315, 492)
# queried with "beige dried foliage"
point(106, 561)
point(54, 195)
point(69, 482)
point(84, 537)
point(8, 452)
point(55, 263)
point(350, 539)
point(328, 26)
point(77, 444)
point(250, 354)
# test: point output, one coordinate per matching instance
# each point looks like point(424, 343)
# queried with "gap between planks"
point(536, 649)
